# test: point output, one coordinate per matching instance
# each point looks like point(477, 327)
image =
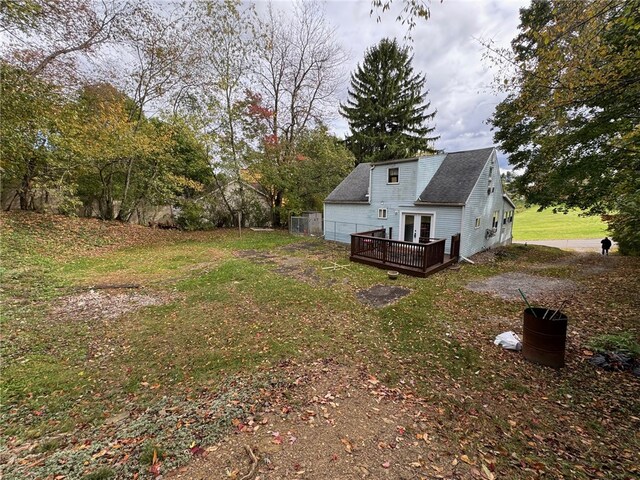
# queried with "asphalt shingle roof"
point(456, 177)
point(353, 188)
point(451, 184)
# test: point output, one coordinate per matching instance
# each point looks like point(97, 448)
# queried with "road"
point(579, 245)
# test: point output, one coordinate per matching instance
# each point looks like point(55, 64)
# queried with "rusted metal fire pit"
point(544, 336)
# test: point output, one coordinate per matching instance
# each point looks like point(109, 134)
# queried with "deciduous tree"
point(228, 42)
point(321, 164)
point(411, 12)
point(50, 37)
point(571, 120)
point(28, 115)
point(297, 75)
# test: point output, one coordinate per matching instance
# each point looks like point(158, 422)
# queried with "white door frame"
point(417, 214)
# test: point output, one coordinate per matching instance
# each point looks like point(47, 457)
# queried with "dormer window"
point(392, 175)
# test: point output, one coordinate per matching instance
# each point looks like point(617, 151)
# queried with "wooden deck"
point(416, 259)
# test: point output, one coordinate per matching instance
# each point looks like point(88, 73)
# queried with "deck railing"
point(394, 253)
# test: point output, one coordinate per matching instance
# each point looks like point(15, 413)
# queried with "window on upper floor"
point(392, 175)
point(477, 222)
point(490, 187)
point(382, 213)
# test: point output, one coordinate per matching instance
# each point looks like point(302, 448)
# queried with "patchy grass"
point(529, 224)
point(625, 342)
point(89, 395)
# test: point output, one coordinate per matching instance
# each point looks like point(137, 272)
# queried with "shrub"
point(621, 343)
point(192, 216)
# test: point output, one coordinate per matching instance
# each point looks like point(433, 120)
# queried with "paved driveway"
point(580, 245)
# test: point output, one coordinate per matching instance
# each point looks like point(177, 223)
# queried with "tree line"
point(218, 109)
point(112, 107)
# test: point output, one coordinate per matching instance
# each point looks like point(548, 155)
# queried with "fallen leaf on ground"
point(467, 460)
point(347, 445)
point(487, 473)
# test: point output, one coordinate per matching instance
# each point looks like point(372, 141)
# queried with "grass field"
point(529, 224)
point(121, 344)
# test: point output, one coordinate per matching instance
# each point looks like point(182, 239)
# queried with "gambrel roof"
point(354, 188)
point(451, 184)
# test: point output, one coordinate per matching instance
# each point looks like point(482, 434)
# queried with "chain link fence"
point(309, 223)
point(341, 231)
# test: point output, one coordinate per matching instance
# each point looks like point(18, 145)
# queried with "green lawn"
point(529, 224)
point(233, 309)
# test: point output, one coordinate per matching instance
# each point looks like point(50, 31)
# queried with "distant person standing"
point(606, 245)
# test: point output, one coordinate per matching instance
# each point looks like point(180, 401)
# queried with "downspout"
point(370, 183)
point(464, 208)
point(324, 220)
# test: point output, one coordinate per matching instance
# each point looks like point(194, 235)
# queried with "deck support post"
point(384, 252)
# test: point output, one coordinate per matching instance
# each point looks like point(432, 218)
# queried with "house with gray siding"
point(421, 199)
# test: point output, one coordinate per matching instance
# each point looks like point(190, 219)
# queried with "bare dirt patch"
point(104, 304)
point(307, 275)
point(256, 256)
point(338, 423)
point(381, 295)
point(537, 288)
point(287, 265)
point(318, 248)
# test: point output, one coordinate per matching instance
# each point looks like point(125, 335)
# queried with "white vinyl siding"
point(485, 201)
point(427, 168)
point(341, 220)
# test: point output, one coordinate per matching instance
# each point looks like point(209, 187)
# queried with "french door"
point(416, 228)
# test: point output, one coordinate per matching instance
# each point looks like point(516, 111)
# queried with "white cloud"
point(446, 50)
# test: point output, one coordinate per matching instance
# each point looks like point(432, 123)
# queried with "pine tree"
point(386, 108)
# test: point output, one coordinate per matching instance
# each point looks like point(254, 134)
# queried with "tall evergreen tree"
point(386, 108)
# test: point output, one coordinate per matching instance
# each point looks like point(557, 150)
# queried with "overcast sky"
point(446, 51)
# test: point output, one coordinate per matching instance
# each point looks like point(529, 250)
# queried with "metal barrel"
point(544, 337)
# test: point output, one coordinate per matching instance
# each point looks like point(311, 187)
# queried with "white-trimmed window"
point(477, 222)
point(495, 220)
point(392, 175)
point(382, 213)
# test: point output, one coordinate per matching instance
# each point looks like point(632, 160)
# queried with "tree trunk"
point(224, 199)
point(105, 203)
point(277, 206)
point(125, 213)
point(24, 192)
